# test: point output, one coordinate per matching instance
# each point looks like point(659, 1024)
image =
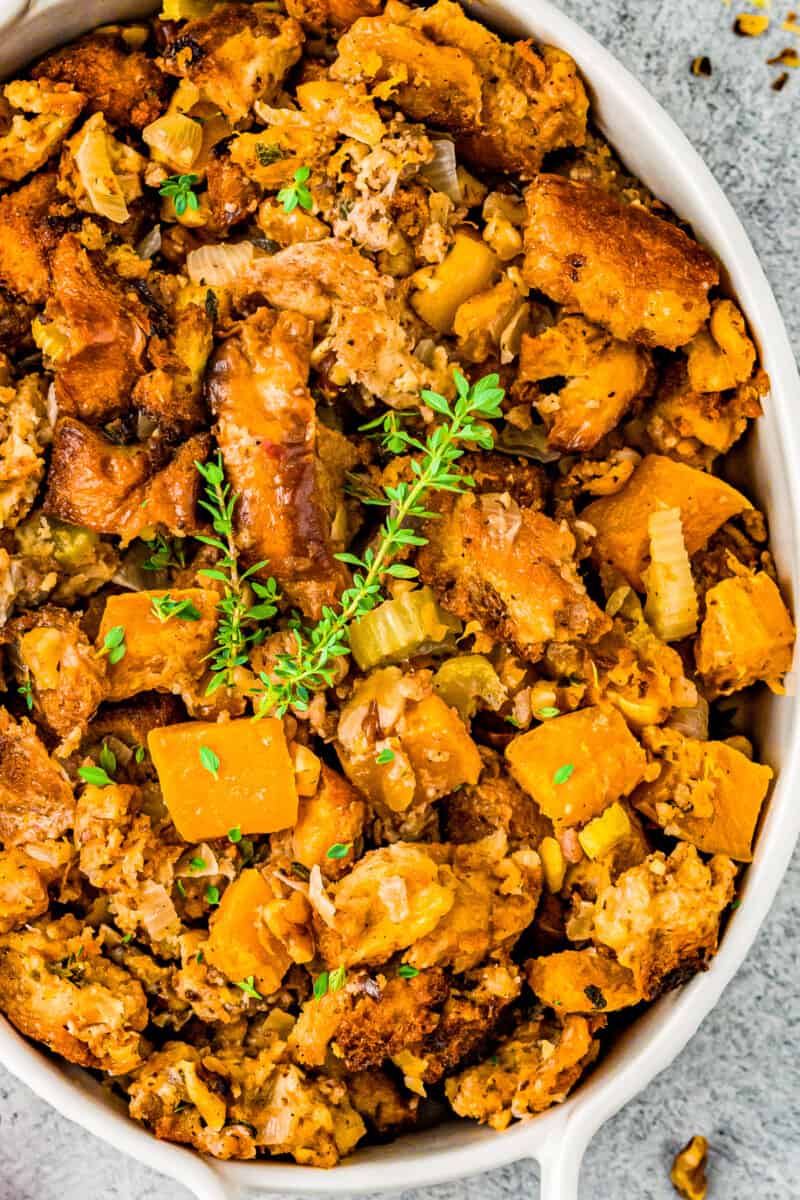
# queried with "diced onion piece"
point(554, 865)
point(440, 172)
point(398, 629)
point(219, 264)
point(319, 899)
point(527, 443)
point(393, 895)
point(49, 339)
point(157, 912)
point(175, 139)
point(466, 679)
point(97, 176)
point(691, 722)
point(671, 606)
point(604, 832)
point(150, 243)
point(307, 768)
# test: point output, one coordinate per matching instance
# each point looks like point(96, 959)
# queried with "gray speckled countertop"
point(738, 1081)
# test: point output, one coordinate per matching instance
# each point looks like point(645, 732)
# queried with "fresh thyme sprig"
point(240, 623)
point(295, 677)
point(296, 194)
point(178, 188)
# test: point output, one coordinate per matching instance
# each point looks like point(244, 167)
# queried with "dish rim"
point(556, 1139)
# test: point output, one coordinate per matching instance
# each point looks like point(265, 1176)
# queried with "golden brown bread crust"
point(257, 388)
point(124, 84)
point(26, 238)
point(513, 571)
point(106, 326)
point(131, 720)
point(237, 55)
point(508, 105)
point(122, 489)
point(318, 15)
point(58, 988)
point(232, 195)
point(23, 894)
point(36, 799)
point(622, 267)
point(335, 813)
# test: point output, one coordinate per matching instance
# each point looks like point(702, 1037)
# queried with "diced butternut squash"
point(707, 793)
point(217, 776)
point(576, 765)
point(240, 944)
point(582, 981)
point(605, 832)
point(621, 520)
point(440, 750)
point(159, 655)
point(467, 268)
point(746, 635)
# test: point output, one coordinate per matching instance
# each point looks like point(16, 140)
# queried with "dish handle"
point(560, 1166)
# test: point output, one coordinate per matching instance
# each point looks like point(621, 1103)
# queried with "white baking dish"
point(654, 149)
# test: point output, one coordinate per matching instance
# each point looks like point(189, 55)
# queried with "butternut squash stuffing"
point(372, 596)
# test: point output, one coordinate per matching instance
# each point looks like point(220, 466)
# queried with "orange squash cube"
point(247, 780)
point(159, 655)
point(240, 944)
point(621, 520)
point(576, 765)
point(582, 981)
point(746, 635)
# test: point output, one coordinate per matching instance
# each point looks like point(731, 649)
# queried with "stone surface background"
point(738, 1081)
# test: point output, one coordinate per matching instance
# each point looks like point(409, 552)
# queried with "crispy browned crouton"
point(267, 433)
point(36, 799)
point(46, 112)
point(124, 84)
point(66, 678)
point(622, 267)
point(494, 802)
point(172, 393)
point(232, 195)
point(26, 239)
point(123, 490)
point(319, 15)
point(510, 568)
point(56, 986)
point(602, 378)
point(530, 1070)
point(131, 720)
point(661, 918)
point(104, 328)
point(237, 55)
point(508, 105)
point(23, 895)
point(383, 1104)
point(24, 432)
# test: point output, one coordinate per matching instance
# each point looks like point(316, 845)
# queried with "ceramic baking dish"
point(654, 149)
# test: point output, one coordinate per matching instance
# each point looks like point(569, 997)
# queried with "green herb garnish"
point(297, 194)
point(301, 871)
point(180, 887)
point(114, 644)
point(248, 987)
point(544, 714)
point(406, 971)
point(235, 834)
point(240, 624)
point(165, 607)
point(108, 759)
point(338, 850)
point(139, 754)
point(210, 761)
point(563, 773)
point(212, 894)
point(178, 188)
point(337, 979)
point(26, 689)
point(386, 756)
point(127, 938)
point(320, 985)
point(310, 667)
point(96, 776)
point(197, 864)
point(164, 553)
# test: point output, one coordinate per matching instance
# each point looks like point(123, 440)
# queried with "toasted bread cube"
point(252, 788)
point(240, 944)
point(576, 765)
point(708, 793)
point(621, 520)
point(746, 635)
point(582, 981)
point(619, 265)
